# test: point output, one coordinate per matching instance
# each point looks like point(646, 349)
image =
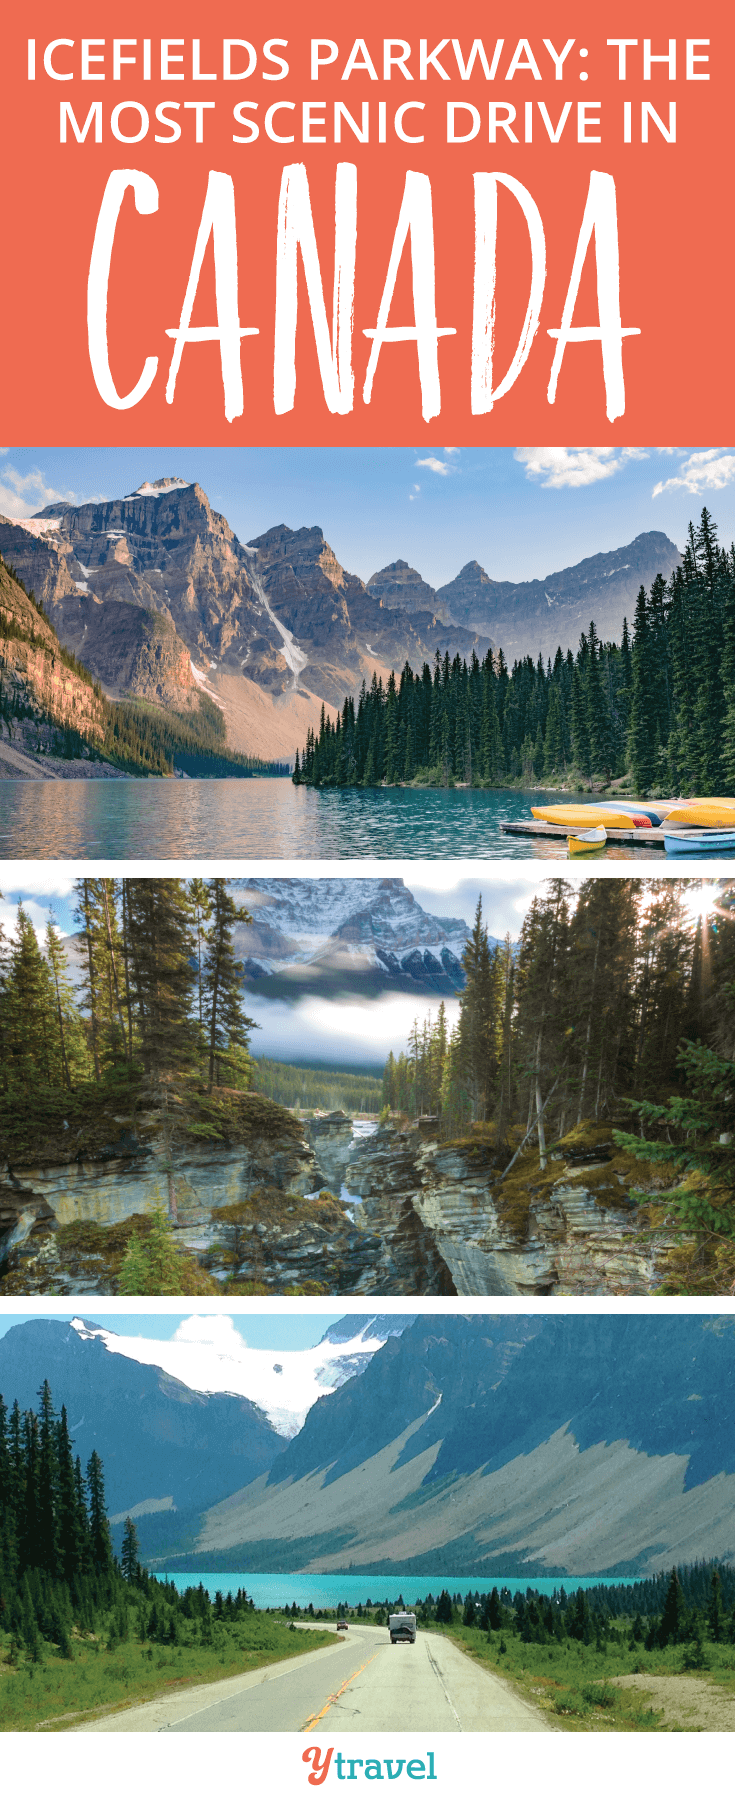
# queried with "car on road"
point(402, 1628)
point(342, 1625)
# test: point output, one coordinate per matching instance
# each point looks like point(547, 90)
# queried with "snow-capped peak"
point(210, 1355)
point(162, 486)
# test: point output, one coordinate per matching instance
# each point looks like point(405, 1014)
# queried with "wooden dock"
point(616, 834)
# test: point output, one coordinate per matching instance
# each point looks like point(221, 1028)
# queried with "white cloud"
point(344, 1033)
point(433, 463)
point(22, 495)
point(702, 470)
point(562, 466)
point(37, 915)
point(451, 450)
point(48, 881)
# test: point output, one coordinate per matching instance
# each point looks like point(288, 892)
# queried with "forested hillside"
point(304, 1088)
point(50, 705)
point(660, 706)
point(618, 1008)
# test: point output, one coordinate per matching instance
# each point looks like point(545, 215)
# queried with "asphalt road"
point(363, 1683)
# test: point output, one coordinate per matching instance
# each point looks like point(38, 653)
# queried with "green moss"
point(528, 1184)
point(230, 1116)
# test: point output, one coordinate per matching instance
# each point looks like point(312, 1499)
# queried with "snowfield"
point(211, 1356)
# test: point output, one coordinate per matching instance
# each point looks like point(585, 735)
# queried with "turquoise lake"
point(270, 818)
point(330, 1590)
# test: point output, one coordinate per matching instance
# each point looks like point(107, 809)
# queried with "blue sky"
point(522, 513)
point(446, 888)
point(263, 1331)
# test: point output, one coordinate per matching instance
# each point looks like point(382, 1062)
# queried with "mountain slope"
point(269, 629)
point(158, 596)
point(568, 1445)
point(158, 1439)
point(525, 617)
point(47, 701)
point(347, 928)
point(531, 616)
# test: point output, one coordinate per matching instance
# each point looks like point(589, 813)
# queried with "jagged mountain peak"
point(162, 485)
point(370, 924)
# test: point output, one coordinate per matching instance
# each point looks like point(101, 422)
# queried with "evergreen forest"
point(155, 1013)
point(659, 707)
point(80, 1627)
point(83, 1630)
point(159, 989)
point(332, 1090)
point(615, 1010)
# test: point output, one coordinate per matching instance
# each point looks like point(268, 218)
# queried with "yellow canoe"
point(582, 815)
point(703, 812)
point(586, 841)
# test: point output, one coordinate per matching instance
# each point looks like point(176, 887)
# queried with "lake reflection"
point(270, 818)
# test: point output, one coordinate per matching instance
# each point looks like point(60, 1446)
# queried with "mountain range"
point(530, 1444)
point(348, 934)
point(333, 937)
point(526, 617)
point(158, 597)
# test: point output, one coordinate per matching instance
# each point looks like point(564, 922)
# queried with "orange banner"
point(222, 229)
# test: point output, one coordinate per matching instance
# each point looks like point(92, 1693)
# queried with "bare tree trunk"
point(539, 1107)
point(127, 951)
point(585, 1067)
point(532, 1127)
point(62, 1035)
point(599, 1084)
point(113, 963)
point(92, 978)
point(172, 1207)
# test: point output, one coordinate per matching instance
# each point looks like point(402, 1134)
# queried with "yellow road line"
point(314, 1718)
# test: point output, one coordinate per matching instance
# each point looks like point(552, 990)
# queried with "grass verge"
point(55, 1692)
point(574, 1682)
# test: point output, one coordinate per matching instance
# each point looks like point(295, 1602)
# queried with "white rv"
point(402, 1628)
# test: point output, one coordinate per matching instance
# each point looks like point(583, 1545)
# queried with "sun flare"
point(700, 901)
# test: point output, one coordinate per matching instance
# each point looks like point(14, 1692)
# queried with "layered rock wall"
point(573, 1230)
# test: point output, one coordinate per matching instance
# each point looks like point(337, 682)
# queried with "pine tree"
point(67, 1033)
point(130, 1551)
point(479, 1041)
point(69, 1536)
point(29, 1009)
point(228, 1025)
point(48, 1473)
point(669, 1630)
point(599, 722)
point(162, 948)
point(99, 1530)
point(643, 700)
point(201, 906)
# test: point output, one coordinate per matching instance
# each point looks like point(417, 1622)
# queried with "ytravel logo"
point(353, 1768)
